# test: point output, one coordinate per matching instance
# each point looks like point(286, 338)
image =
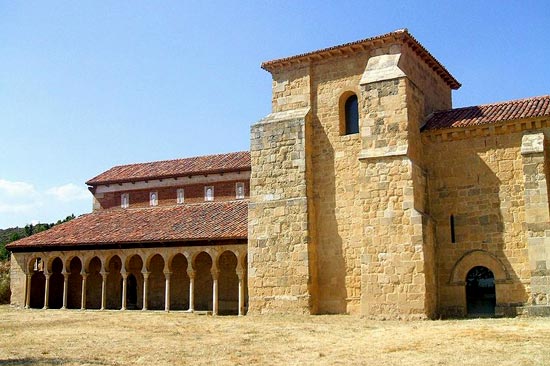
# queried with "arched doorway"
point(480, 292)
point(134, 283)
point(74, 296)
point(57, 280)
point(179, 297)
point(38, 284)
point(228, 291)
point(94, 284)
point(156, 283)
point(203, 281)
point(114, 284)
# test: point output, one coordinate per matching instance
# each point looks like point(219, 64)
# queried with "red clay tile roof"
point(209, 164)
point(191, 222)
point(489, 113)
point(402, 35)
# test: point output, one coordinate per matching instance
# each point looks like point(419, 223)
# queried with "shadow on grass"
point(27, 361)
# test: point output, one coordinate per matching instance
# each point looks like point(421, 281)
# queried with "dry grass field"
point(56, 337)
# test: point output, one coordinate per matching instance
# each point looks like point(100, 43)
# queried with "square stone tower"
point(337, 214)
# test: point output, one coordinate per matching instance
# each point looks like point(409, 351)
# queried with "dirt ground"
point(72, 337)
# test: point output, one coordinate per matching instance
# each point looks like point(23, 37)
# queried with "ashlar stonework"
point(425, 212)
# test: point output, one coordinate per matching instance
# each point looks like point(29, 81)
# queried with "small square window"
point(209, 193)
point(125, 200)
point(180, 196)
point(239, 190)
point(153, 199)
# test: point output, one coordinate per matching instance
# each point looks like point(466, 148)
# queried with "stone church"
point(364, 192)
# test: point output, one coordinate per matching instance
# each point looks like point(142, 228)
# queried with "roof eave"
point(401, 35)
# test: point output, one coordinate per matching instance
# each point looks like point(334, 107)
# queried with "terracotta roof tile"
point(191, 222)
point(402, 35)
point(489, 113)
point(209, 164)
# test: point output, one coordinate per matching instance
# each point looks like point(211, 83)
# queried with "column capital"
point(215, 273)
point(191, 273)
point(167, 274)
point(145, 274)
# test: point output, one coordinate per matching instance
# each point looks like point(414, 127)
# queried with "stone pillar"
point(145, 285)
point(279, 215)
point(47, 289)
point(240, 274)
point(103, 289)
point(83, 293)
point(124, 289)
point(65, 288)
point(28, 291)
point(191, 275)
point(537, 220)
point(167, 291)
point(215, 275)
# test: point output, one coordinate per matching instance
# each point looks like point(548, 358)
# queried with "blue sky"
point(85, 85)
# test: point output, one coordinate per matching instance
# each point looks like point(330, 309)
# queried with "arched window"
point(351, 115)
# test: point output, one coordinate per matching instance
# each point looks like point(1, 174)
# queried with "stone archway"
point(57, 282)
point(179, 299)
point(228, 282)
point(114, 284)
point(134, 268)
point(480, 292)
point(156, 284)
point(203, 281)
point(38, 284)
point(94, 284)
point(74, 288)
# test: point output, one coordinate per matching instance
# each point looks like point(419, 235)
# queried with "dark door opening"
point(131, 292)
point(480, 292)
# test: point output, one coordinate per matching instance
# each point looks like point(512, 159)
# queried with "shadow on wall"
point(476, 213)
point(330, 253)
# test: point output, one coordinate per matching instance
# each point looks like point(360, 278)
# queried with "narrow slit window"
point(351, 111)
point(452, 224)
point(153, 199)
point(125, 200)
point(180, 196)
point(239, 190)
point(209, 193)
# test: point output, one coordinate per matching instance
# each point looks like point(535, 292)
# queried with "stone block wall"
point(480, 182)
point(370, 244)
point(334, 185)
point(279, 244)
point(534, 150)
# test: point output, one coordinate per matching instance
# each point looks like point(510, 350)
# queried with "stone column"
point(240, 274)
point(215, 275)
point(83, 293)
point(145, 285)
point(537, 219)
point(47, 289)
point(65, 289)
point(124, 289)
point(28, 292)
point(167, 276)
point(191, 275)
point(103, 289)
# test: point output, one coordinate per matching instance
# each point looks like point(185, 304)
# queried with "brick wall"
point(223, 191)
